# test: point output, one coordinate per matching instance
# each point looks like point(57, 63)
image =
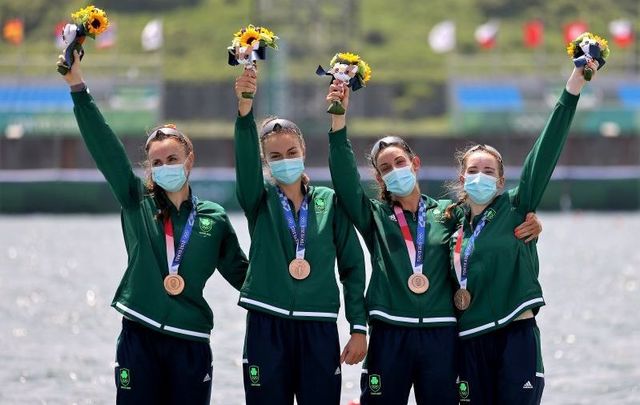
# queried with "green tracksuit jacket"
point(503, 270)
point(213, 244)
point(388, 296)
point(330, 235)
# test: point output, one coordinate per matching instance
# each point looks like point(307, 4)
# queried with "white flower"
point(69, 33)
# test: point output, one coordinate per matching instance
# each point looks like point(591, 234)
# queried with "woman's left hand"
point(355, 349)
point(530, 229)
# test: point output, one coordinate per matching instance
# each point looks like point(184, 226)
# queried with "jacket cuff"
point(245, 121)
point(81, 96)
point(569, 100)
point(356, 328)
point(339, 136)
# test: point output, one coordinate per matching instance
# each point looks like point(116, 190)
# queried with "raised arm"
point(543, 157)
point(344, 168)
point(232, 263)
point(249, 179)
point(105, 148)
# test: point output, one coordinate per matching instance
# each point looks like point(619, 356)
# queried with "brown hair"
point(274, 125)
point(159, 194)
point(372, 158)
point(454, 187)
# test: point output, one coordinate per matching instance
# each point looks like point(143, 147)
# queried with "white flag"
point(486, 34)
point(152, 37)
point(442, 37)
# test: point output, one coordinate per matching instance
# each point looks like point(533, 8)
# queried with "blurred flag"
point(622, 32)
point(57, 34)
point(486, 34)
point(13, 31)
point(442, 37)
point(108, 38)
point(533, 33)
point(152, 37)
point(573, 30)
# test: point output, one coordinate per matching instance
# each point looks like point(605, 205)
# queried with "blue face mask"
point(287, 171)
point(170, 177)
point(480, 187)
point(400, 181)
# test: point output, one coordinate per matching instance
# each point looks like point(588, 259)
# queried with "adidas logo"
point(337, 371)
point(207, 378)
point(527, 386)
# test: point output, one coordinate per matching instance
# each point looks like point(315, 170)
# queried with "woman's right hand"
point(74, 75)
point(246, 82)
point(338, 91)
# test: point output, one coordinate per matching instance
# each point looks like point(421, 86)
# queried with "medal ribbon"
point(291, 222)
point(416, 251)
point(175, 258)
point(461, 267)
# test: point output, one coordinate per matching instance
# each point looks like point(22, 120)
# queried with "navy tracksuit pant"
point(400, 357)
point(502, 367)
point(159, 369)
point(286, 357)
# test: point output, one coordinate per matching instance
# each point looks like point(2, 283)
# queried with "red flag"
point(573, 30)
point(533, 31)
point(486, 34)
point(13, 31)
point(622, 32)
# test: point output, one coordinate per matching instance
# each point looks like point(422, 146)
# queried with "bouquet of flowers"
point(350, 69)
point(87, 22)
point(586, 48)
point(248, 45)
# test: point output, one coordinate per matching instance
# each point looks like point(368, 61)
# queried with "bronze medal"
point(462, 299)
point(174, 284)
point(299, 269)
point(418, 283)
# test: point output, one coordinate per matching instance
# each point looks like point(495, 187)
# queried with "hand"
point(355, 349)
point(246, 82)
point(577, 81)
point(530, 229)
point(339, 91)
point(74, 76)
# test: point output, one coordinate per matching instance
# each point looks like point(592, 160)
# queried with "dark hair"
point(274, 125)
point(454, 187)
point(159, 194)
point(378, 146)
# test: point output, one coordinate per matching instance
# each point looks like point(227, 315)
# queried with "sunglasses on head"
point(278, 125)
point(486, 148)
point(385, 143)
point(169, 130)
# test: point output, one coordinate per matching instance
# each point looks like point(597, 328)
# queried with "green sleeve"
point(346, 182)
point(543, 157)
point(107, 150)
point(249, 179)
point(351, 270)
point(232, 262)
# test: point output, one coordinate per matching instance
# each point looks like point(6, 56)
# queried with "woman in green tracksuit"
point(409, 299)
point(174, 243)
point(297, 233)
point(498, 289)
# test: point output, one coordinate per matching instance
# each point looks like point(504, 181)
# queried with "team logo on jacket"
point(463, 391)
point(491, 213)
point(375, 384)
point(254, 375)
point(320, 204)
point(205, 224)
point(125, 378)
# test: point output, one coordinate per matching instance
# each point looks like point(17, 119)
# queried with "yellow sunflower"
point(364, 70)
point(604, 46)
point(571, 48)
point(345, 57)
point(249, 36)
point(97, 22)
